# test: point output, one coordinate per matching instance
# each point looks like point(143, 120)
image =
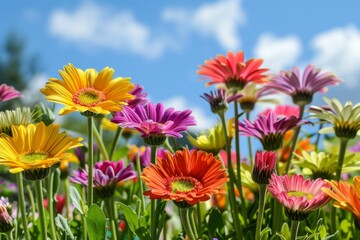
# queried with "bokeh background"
point(160, 44)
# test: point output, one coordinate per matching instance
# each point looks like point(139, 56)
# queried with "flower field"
point(140, 172)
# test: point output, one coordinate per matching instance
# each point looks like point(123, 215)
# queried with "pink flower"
point(7, 93)
point(270, 128)
point(285, 111)
point(264, 166)
point(302, 89)
point(299, 197)
point(233, 71)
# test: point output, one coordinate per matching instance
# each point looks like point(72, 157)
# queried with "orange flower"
point(233, 71)
point(185, 177)
point(346, 196)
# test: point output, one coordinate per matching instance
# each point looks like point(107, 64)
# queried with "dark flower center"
point(346, 130)
point(235, 83)
point(302, 97)
point(272, 141)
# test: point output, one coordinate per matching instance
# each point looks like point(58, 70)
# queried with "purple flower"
point(219, 100)
point(301, 89)
point(140, 97)
point(153, 122)
point(106, 175)
point(7, 93)
point(269, 128)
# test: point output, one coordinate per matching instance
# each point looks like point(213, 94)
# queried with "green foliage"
point(96, 223)
point(62, 224)
point(76, 200)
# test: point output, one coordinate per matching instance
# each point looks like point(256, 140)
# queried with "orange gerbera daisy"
point(233, 71)
point(88, 91)
point(185, 177)
point(346, 196)
point(301, 145)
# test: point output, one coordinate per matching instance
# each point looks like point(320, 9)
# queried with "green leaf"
point(76, 199)
point(62, 224)
point(215, 221)
point(96, 223)
point(133, 221)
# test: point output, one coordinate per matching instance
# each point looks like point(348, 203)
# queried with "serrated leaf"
point(96, 223)
point(62, 224)
point(76, 199)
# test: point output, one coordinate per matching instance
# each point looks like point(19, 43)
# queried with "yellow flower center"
point(300, 194)
point(184, 184)
point(88, 97)
point(33, 157)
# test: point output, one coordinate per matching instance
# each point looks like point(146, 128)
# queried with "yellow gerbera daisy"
point(34, 149)
point(88, 91)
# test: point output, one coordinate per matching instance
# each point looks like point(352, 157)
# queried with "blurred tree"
point(15, 69)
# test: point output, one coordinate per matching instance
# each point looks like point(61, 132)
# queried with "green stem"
point(20, 184)
point(91, 161)
point(185, 220)
point(277, 213)
point(99, 140)
point(341, 157)
point(168, 146)
point(262, 194)
point(192, 222)
point(294, 140)
point(39, 199)
point(110, 211)
point(67, 194)
point(31, 199)
point(83, 219)
point(50, 197)
point(114, 143)
point(294, 229)
point(153, 201)
point(250, 144)
point(238, 163)
point(233, 204)
point(141, 187)
point(198, 208)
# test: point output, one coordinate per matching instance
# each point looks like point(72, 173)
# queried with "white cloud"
point(94, 25)
point(203, 121)
point(220, 20)
point(338, 50)
point(31, 94)
point(278, 52)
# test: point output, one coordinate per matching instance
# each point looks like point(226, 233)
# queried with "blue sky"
point(160, 44)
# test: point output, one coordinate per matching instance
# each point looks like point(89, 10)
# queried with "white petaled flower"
point(17, 117)
point(345, 119)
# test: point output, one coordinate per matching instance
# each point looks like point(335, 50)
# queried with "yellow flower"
point(34, 149)
point(211, 141)
point(88, 91)
point(108, 125)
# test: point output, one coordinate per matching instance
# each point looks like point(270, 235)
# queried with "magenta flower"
point(302, 89)
point(140, 97)
point(269, 128)
point(219, 100)
point(264, 166)
point(154, 123)
point(299, 197)
point(355, 148)
point(7, 93)
point(106, 175)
